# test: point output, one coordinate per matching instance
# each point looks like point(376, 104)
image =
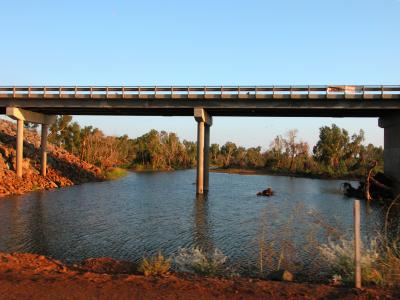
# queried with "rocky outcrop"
point(64, 168)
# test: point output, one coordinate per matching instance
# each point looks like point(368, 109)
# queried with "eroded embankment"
point(31, 276)
point(64, 169)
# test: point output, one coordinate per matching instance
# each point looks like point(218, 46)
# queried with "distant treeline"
point(336, 153)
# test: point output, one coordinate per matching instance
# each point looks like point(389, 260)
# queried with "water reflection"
point(141, 214)
point(202, 232)
point(36, 225)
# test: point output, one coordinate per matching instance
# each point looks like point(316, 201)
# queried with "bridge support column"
point(204, 121)
point(206, 156)
point(43, 150)
point(19, 147)
point(21, 116)
point(391, 126)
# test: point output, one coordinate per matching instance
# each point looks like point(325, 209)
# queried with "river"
point(143, 213)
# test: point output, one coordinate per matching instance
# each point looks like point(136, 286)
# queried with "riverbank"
point(64, 168)
point(31, 276)
point(286, 174)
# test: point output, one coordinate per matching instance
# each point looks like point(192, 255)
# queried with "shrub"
point(389, 264)
point(195, 260)
point(155, 266)
point(115, 173)
point(340, 259)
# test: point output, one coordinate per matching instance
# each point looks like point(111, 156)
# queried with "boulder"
point(268, 192)
point(281, 275)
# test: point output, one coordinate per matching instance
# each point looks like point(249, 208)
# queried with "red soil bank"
point(30, 276)
point(64, 169)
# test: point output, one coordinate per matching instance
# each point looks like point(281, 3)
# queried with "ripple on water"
point(143, 213)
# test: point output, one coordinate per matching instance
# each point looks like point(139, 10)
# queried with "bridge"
point(40, 104)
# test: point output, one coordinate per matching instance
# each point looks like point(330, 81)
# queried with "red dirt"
point(31, 276)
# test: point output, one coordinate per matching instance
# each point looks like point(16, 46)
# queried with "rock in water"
point(268, 192)
point(281, 275)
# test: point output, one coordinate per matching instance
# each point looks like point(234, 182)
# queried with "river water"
point(143, 213)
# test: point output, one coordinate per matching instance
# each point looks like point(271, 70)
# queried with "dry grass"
point(380, 261)
point(157, 265)
point(281, 243)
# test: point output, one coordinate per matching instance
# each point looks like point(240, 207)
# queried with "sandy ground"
point(30, 276)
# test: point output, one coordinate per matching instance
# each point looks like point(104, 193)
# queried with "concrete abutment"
point(391, 126)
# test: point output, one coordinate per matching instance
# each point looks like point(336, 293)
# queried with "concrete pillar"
point(20, 146)
point(43, 149)
point(204, 121)
point(206, 156)
point(200, 158)
point(391, 125)
point(22, 115)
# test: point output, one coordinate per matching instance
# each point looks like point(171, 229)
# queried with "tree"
point(214, 151)
point(58, 130)
point(254, 157)
point(277, 146)
point(333, 145)
point(290, 146)
point(228, 150)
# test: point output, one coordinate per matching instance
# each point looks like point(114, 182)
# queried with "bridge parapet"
point(202, 92)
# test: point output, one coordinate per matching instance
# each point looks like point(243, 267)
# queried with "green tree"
point(228, 151)
point(214, 151)
point(59, 130)
point(332, 147)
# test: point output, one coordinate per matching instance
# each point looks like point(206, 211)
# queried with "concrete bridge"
point(41, 104)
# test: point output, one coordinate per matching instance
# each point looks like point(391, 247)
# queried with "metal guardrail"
point(202, 92)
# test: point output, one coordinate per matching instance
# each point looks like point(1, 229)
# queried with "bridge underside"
point(33, 104)
point(248, 108)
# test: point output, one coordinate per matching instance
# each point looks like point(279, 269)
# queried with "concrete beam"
point(202, 116)
point(389, 121)
point(29, 116)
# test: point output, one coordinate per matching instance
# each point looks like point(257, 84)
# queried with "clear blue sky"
point(203, 43)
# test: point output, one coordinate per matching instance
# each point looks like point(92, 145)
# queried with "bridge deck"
point(335, 101)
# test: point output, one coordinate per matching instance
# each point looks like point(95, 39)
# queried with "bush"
point(340, 259)
point(195, 260)
point(155, 266)
point(115, 173)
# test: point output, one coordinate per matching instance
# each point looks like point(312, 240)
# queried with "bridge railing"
point(202, 92)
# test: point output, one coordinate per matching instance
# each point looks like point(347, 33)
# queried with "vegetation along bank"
point(81, 154)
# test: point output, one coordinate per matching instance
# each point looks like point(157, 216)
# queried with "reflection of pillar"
point(202, 231)
point(391, 125)
point(20, 146)
point(43, 150)
point(204, 121)
point(200, 158)
point(206, 156)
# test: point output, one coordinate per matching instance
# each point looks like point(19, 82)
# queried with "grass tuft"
point(157, 265)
